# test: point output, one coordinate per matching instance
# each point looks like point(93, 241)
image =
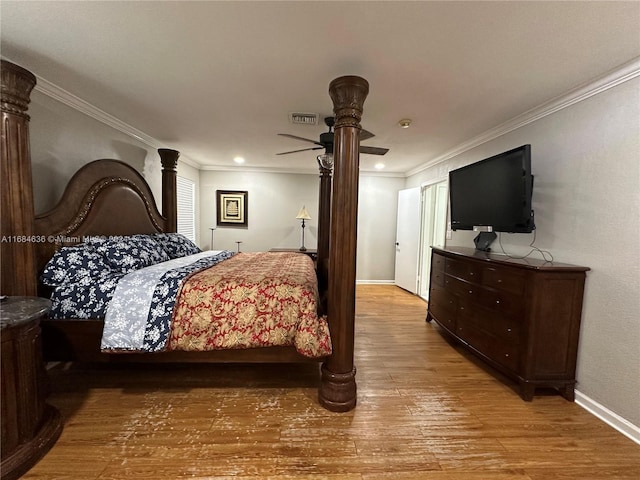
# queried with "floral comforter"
point(244, 300)
point(252, 300)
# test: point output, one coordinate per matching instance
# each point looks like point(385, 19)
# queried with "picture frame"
point(232, 208)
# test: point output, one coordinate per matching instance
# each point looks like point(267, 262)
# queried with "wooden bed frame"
point(98, 194)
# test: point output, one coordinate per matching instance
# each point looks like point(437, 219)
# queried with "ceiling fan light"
point(326, 160)
point(239, 160)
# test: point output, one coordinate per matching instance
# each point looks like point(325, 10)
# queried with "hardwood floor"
point(425, 409)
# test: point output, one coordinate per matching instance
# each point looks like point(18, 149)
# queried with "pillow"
point(80, 300)
point(75, 264)
point(129, 253)
point(177, 245)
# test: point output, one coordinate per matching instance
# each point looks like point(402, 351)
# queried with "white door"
point(408, 239)
point(434, 227)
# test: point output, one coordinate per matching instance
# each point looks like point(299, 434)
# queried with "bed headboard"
point(95, 199)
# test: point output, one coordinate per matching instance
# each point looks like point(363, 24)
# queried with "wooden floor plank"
point(426, 409)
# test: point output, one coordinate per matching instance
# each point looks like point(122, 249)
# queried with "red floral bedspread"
point(251, 300)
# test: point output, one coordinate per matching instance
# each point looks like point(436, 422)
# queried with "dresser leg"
point(527, 390)
point(568, 392)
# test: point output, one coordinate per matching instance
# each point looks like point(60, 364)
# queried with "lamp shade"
point(303, 214)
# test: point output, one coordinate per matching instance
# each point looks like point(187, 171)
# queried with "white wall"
point(377, 218)
point(64, 139)
point(274, 201)
point(586, 162)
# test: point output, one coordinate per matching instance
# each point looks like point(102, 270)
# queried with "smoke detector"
point(303, 118)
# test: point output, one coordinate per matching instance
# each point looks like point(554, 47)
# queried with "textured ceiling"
point(218, 79)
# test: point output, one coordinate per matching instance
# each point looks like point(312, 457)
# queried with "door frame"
point(408, 226)
point(432, 212)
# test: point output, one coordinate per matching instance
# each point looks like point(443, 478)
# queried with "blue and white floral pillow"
point(76, 264)
point(177, 245)
point(126, 254)
point(82, 300)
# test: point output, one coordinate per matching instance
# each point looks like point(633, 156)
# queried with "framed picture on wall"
point(231, 207)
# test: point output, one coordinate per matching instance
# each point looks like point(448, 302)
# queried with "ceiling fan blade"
point(303, 150)
point(299, 138)
point(373, 150)
point(365, 134)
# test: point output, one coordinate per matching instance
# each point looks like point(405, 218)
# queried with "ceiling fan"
point(326, 141)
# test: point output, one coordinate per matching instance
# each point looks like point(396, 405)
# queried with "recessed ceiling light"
point(405, 122)
point(379, 166)
point(239, 160)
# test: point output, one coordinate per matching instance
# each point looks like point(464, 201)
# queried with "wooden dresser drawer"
point(503, 278)
point(437, 263)
point(504, 303)
point(498, 350)
point(437, 277)
point(466, 290)
point(443, 306)
point(490, 322)
point(465, 270)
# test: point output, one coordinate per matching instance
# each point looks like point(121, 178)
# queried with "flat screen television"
point(493, 194)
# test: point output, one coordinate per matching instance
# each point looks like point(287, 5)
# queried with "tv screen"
point(494, 192)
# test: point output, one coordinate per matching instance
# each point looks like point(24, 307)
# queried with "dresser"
point(521, 316)
point(30, 426)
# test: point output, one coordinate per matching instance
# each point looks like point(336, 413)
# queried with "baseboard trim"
point(612, 419)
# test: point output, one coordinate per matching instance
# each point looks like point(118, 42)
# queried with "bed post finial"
point(169, 159)
point(18, 258)
point(338, 384)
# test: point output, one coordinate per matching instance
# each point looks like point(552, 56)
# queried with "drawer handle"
point(506, 355)
point(471, 273)
point(497, 301)
point(470, 292)
point(508, 330)
point(461, 308)
point(499, 280)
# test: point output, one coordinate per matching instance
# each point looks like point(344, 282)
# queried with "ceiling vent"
point(303, 118)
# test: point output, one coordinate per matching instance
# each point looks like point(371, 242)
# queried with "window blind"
point(186, 199)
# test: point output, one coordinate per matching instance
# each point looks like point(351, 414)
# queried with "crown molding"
point(63, 96)
point(69, 99)
point(295, 171)
point(249, 169)
point(626, 72)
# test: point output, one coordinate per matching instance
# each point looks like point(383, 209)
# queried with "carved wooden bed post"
point(338, 386)
point(169, 159)
point(324, 229)
point(18, 258)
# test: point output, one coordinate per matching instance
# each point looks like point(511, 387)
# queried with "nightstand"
point(30, 426)
point(313, 253)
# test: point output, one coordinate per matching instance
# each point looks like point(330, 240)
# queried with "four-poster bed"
point(109, 198)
